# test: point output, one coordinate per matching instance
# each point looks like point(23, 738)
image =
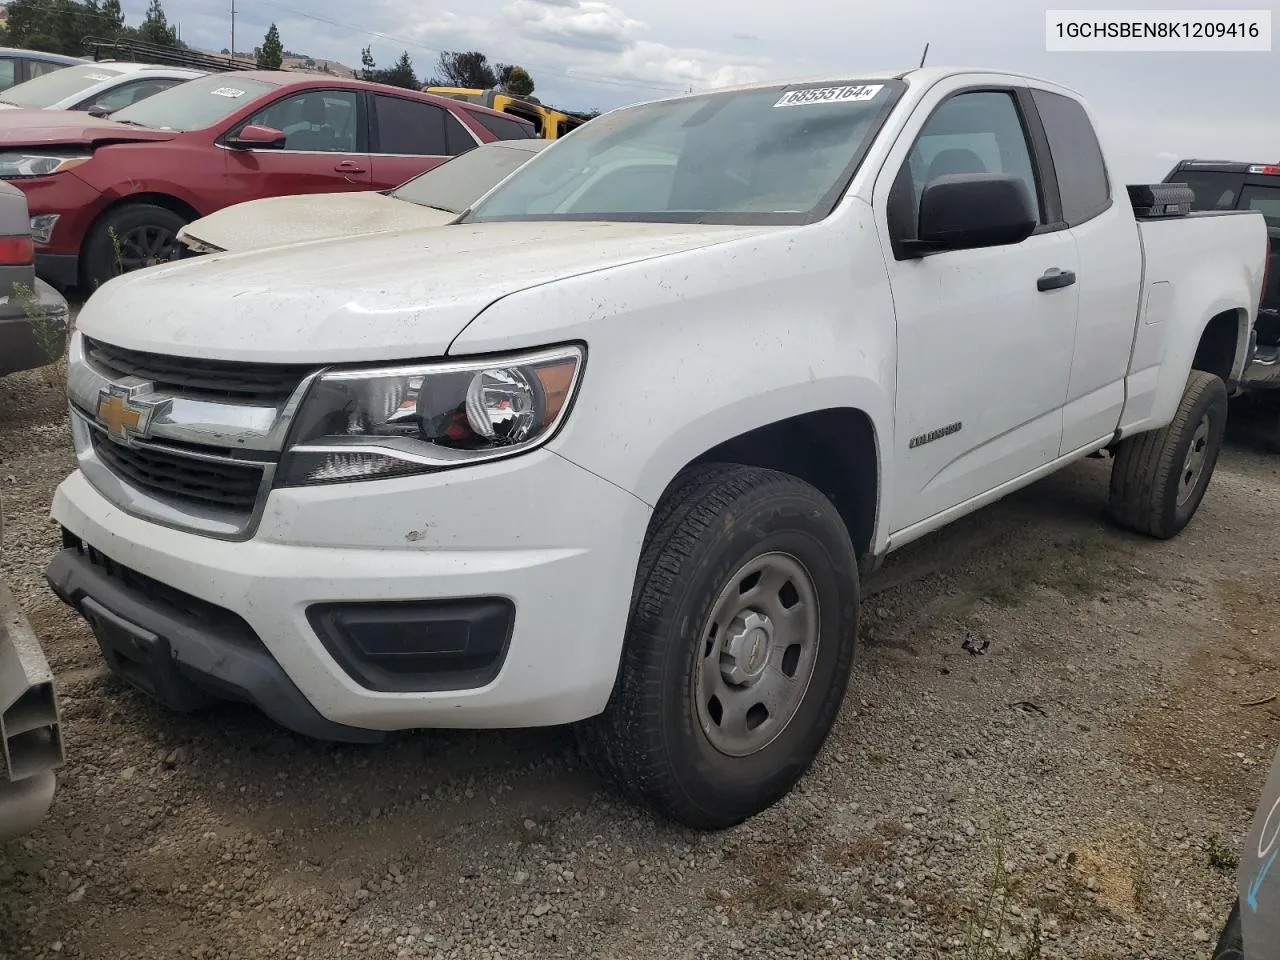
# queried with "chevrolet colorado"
point(616, 447)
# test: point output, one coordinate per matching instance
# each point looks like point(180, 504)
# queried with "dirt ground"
point(1051, 747)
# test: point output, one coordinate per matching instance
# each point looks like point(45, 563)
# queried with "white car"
point(616, 447)
point(101, 88)
point(430, 199)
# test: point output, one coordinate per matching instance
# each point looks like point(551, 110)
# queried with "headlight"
point(42, 227)
point(395, 421)
point(36, 165)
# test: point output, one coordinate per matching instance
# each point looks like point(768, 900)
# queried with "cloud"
point(579, 49)
point(588, 24)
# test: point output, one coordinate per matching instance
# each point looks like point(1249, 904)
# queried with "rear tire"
point(730, 682)
point(128, 238)
point(1160, 477)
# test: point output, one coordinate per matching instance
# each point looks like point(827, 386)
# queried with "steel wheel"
point(759, 648)
point(1193, 466)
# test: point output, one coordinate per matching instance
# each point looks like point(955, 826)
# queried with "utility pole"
point(233, 31)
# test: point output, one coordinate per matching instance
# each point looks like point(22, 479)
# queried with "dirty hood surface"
point(382, 297)
point(274, 221)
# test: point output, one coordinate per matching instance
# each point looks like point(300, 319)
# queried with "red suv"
point(108, 196)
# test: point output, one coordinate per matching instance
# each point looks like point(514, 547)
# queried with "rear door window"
point(505, 129)
point(1077, 157)
point(410, 127)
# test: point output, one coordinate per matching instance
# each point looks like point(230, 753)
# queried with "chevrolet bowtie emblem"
point(127, 417)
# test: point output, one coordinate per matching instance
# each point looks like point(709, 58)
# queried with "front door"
point(324, 148)
point(984, 354)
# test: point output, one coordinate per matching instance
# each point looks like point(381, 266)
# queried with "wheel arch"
point(1223, 343)
point(835, 449)
point(154, 197)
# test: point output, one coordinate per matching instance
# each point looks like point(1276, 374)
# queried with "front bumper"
point(21, 347)
point(557, 542)
point(30, 728)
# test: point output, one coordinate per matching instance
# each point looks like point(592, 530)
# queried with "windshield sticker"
point(231, 92)
point(847, 94)
point(99, 76)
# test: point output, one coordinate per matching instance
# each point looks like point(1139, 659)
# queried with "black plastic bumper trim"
point(417, 646)
point(183, 659)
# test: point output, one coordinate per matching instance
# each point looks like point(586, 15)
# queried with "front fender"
point(687, 351)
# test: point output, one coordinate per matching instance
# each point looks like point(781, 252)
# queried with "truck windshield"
point(51, 88)
point(195, 104)
point(782, 154)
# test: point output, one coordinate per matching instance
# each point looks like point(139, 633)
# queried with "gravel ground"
point(1046, 723)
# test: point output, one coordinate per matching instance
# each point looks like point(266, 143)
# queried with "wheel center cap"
point(747, 644)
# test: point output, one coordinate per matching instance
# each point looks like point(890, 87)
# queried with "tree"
point(271, 53)
point(401, 75)
point(464, 69)
point(155, 27)
point(515, 80)
point(367, 66)
point(112, 18)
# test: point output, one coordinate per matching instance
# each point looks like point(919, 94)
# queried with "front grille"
point(229, 486)
point(266, 382)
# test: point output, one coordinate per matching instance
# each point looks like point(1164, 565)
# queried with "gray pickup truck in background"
point(33, 316)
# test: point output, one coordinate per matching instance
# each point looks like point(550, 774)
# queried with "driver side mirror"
point(100, 110)
point(256, 137)
point(969, 210)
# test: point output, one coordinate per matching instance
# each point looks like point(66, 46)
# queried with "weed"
point(1140, 883)
point(1033, 948)
point(1221, 857)
point(876, 758)
point(50, 329)
point(986, 918)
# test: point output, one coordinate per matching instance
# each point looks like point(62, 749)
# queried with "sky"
point(1153, 108)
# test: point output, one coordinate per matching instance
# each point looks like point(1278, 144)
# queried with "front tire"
point(1160, 477)
point(741, 640)
point(129, 238)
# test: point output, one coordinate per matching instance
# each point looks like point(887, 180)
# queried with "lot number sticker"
point(846, 94)
point(231, 92)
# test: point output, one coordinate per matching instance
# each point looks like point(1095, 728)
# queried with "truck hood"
point(31, 128)
point(389, 296)
point(274, 221)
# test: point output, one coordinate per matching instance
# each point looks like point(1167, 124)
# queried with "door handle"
point(349, 166)
point(1054, 279)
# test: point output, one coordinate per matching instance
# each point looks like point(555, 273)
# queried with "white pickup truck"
point(616, 447)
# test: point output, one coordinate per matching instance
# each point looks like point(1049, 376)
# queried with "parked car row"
point(109, 195)
point(97, 88)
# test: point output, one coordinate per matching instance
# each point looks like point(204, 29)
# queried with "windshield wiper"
point(130, 123)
